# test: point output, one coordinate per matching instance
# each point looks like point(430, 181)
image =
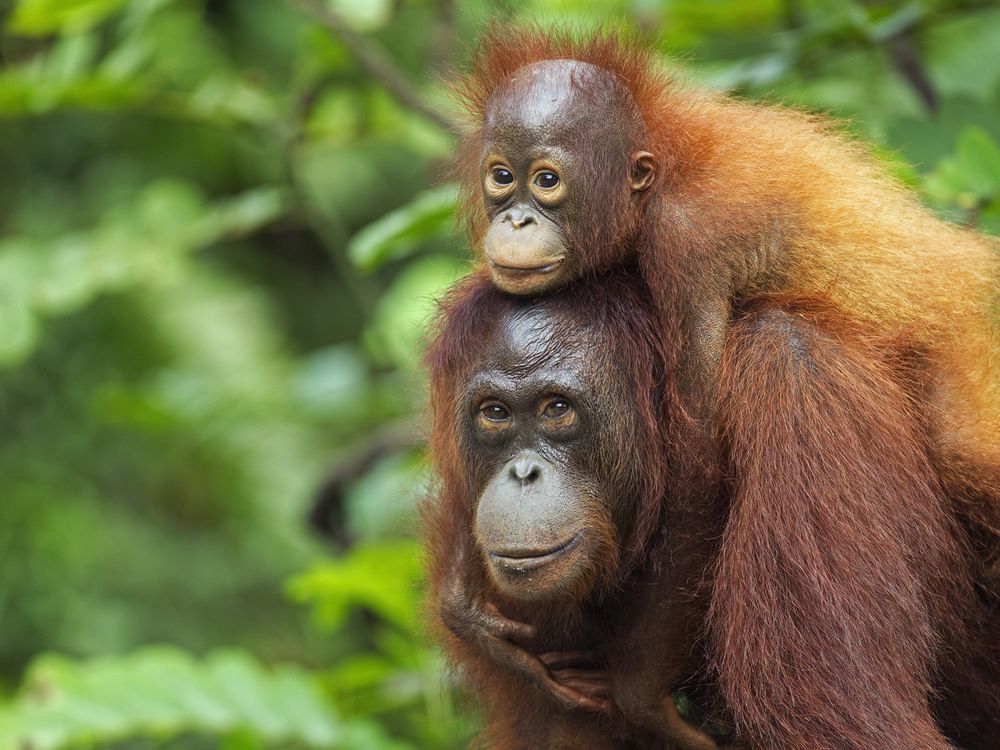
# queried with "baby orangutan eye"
point(501, 176)
point(546, 179)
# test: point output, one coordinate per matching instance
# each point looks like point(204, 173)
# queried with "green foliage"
point(136, 244)
point(971, 177)
point(162, 692)
point(42, 17)
point(222, 238)
point(399, 232)
point(406, 309)
point(397, 674)
point(381, 577)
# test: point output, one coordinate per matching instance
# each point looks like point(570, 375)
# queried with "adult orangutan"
point(817, 589)
point(583, 155)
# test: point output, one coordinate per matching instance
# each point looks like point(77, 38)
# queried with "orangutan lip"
point(527, 270)
point(521, 563)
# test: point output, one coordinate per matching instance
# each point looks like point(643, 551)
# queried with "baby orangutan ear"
point(642, 172)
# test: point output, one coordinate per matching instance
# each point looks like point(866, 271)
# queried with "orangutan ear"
point(642, 171)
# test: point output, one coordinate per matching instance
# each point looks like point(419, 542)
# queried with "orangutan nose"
point(526, 470)
point(519, 217)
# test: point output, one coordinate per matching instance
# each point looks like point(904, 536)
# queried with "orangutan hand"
point(571, 678)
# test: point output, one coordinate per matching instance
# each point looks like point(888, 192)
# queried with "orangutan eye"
point(546, 179)
point(501, 176)
point(494, 412)
point(558, 412)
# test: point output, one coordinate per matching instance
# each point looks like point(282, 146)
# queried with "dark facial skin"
point(546, 128)
point(542, 521)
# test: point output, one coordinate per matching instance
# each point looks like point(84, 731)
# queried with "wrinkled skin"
point(539, 523)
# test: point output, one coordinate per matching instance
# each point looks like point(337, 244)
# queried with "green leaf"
point(961, 54)
point(221, 97)
point(333, 382)
point(400, 231)
point(166, 211)
point(304, 706)
point(44, 17)
point(364, 16)
point(397, 332)
point(18, 325)
point(71, 58)
point(897, 22)
point(140, 243)
point(243, 214)
point(971, 176)
point(380, 576)
point(383, 501)
point(980, 160)
point(162, 692)
point(23, 94)
point(243, 685)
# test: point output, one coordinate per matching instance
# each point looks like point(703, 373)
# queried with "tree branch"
point(376, 63)
point(328, 514)
point(443, 50)
point(910, 66)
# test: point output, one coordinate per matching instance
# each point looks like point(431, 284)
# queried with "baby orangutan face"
point(556, 178)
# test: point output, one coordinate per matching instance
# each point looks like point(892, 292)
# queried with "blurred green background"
point(223, 226)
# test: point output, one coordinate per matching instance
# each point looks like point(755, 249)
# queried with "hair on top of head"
point(502, 51)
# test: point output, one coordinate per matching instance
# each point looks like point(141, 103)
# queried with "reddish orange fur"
point(843, 577)
point(629, 350)
point(472, 310)
point(756, 199)
point(858, 416)
point(841, 610)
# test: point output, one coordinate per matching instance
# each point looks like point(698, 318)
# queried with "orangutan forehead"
point(556, 94)
point(539, 337)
